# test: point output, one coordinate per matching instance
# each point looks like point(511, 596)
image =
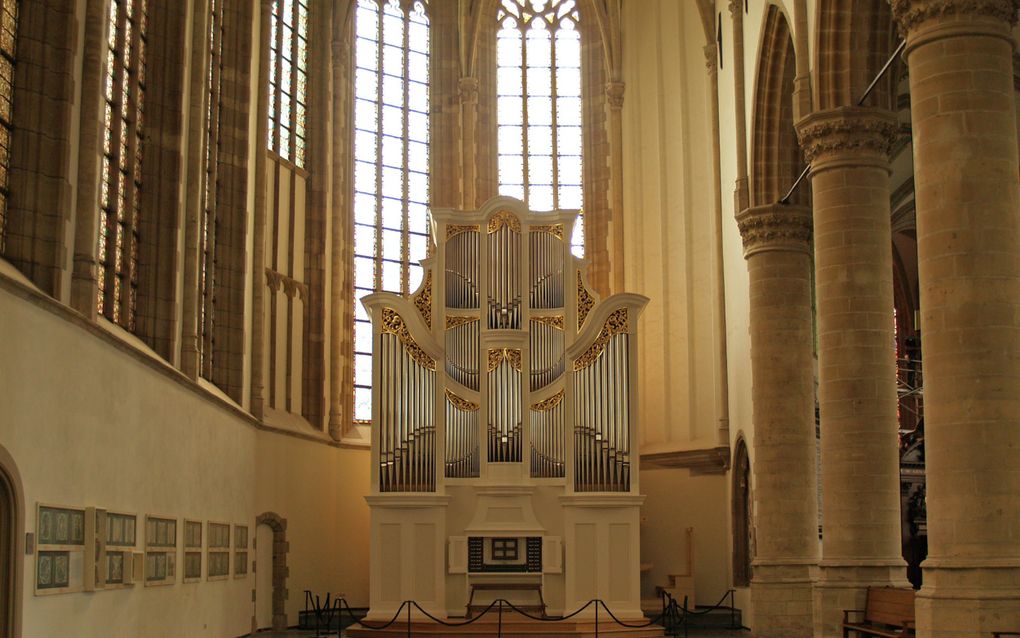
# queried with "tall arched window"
point(210, 223)
point(391, 168)
point(288, 79)
point(120, 194)
point(8, 40)
point(539, 106)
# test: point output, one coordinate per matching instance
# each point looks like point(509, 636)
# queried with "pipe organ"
point(503, 411)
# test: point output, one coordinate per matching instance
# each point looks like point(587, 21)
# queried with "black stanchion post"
point(687, 623)
point(597, 617)
point(408, 619)
point(499, 625)
point(733, 612)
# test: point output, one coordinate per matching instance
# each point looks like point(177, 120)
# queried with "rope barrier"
point(673, 616)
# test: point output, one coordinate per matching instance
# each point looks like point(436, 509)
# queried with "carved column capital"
point(848, 135)
point(711, 56)
point(736, 8)
point(775, 227)
point(614, 94)
point(468, 87)
point(912, 15)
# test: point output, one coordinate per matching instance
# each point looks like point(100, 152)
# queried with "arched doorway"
point(741, 516)
point(12, 522)
point(270, 572)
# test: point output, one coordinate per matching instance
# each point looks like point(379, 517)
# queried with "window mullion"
point(553, 103)
point(377, 258)
point(525, 141)
point(295, 76)
point(405, 249)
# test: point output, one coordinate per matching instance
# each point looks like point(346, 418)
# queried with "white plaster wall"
point(91, 425)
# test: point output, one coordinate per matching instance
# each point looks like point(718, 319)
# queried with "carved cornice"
point(468, 88)
point(291, 287)
point(614, 94)
point(910, 14)
point(775, 227)
point(849, 133)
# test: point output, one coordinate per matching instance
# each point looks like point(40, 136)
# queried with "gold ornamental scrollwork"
point(616, 324)
point(585, 302)
point(452, 321)
point(393, 323)
point(456, 229)
point(460, 403)
point(496, 356)
point(556, 230)
point(548, 404)
point(504, 218)
point(556, 321)
point(423, 300)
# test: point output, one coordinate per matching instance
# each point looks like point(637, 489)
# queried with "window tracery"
point(121, 178)
point(539, 117)
point(391, 168)
point(288, 80)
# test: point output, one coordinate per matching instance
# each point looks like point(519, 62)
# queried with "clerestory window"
point(391, 168)
point(538, 58)
point(288, 80)
point(120, 190)
point(8, 41)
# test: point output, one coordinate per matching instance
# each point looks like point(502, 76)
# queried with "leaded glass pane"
point(391, 142)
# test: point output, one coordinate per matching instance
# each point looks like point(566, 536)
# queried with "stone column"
point(848, 151)
point(960, 56)
point(777, 246)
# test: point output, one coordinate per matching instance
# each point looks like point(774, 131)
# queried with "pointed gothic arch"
point(742, 549)
point(12, 546)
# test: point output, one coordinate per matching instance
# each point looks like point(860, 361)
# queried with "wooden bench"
point(888, 612)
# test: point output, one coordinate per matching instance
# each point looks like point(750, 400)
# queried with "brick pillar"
point(777, 246)
point(960, 56)
point(848, 151)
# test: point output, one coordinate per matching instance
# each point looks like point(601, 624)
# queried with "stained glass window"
point(8, 39)
point(391, 168)
point(209, 224)
point(288, 79)
point(538, 83)
point(120, 189)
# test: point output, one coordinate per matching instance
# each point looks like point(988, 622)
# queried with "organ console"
point(503, 416)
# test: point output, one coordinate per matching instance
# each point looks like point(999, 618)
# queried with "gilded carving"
point(497, 356)
point(548, 404)
point(452, 321)
point(585, 302)
point(847, 131)
point(556, 230)
point(393, 323)
point(616, 324)
point(456, 229)
point(459, 403)
point(504, 218)
point(423, 300)
point(909, 14)
point(775, 227)
point(555, 321)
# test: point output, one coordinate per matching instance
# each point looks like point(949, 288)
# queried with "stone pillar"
point(960, 56)
point(848, 151)
point(777, 246)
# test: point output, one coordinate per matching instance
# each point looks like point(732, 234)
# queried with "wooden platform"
point(514, 626)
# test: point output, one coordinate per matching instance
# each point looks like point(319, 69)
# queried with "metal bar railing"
point(860, 102)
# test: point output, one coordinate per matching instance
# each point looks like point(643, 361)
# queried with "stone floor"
point(694, 633)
